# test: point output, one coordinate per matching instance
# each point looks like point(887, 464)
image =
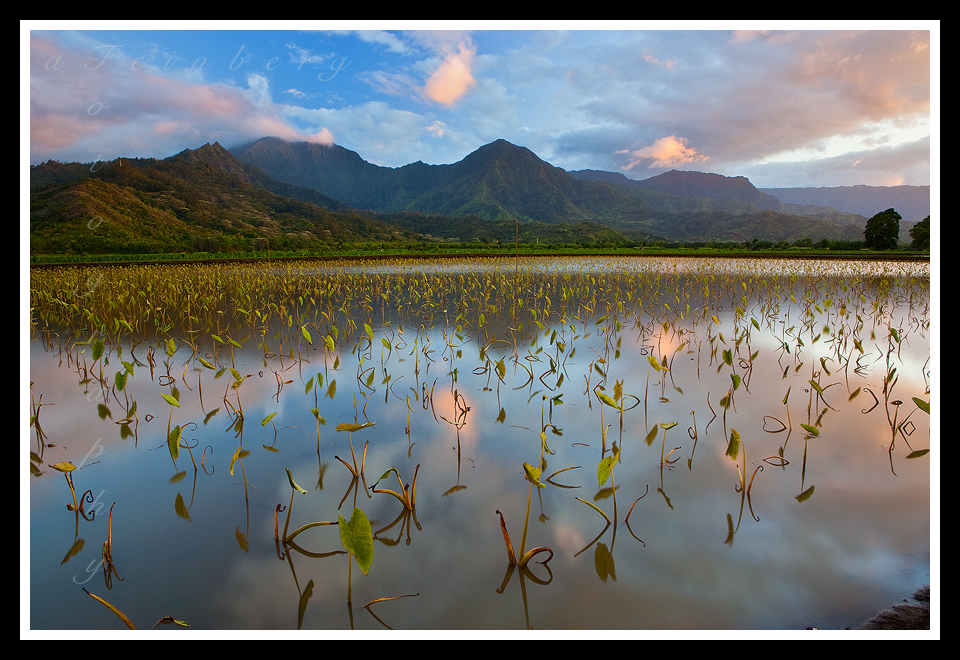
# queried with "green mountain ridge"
point(198, 200)
point(296, 195)
point(504, 181)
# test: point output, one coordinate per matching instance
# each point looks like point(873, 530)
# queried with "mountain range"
point(294, 194)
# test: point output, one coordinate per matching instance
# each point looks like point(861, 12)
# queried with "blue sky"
point(785, 105)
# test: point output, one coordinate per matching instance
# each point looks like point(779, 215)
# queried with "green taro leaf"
point(733, 448)
point(357, 538)
point(605, 467)
point(728, 357)
point(811, 429)
point(173, 442)
point(607, 399)
point(533, 474)
point(240, 453)
point(353, 427)
point(293, 484)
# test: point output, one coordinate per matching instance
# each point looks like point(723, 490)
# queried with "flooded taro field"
point(640, 444)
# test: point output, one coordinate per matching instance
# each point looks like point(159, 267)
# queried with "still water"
point(794, 359)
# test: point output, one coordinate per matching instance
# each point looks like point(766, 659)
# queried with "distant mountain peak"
point(696, 177)
point(498, 148)
point(208, 148)
point(208, 153)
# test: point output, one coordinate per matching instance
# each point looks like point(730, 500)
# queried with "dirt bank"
point(909, 615)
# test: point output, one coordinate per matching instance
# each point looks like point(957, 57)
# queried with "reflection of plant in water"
point(109, 569)
point(67, 468)
point(525, 556)
point(294, 488)
point(522, 562)
point(736, 447)
point(665, 460)
point(408, 492)
point(36, 456)
point(522, 559)
point(167, 620)
point(356, 537)
point(558, 313)
point(356, 470)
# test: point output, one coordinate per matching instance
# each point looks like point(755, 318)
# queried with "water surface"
point(836, 526)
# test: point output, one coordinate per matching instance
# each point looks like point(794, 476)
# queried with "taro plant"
point(733, 452)
point(356, 535)
point(735, 447)
point(350, 428)
point(532, 475)
point(294, 488)
point(614, 402)
point(525, 557)
point(269, 420)
point(109, 568)
point(287, 538)
point(67, 468)
point(173, 433)
point(605, 471)
point(407, 493)
point(665, 460)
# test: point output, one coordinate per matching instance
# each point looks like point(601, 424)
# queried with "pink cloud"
point(669, 151)
point(104, 109)
point(323, 137)
point(453, 78)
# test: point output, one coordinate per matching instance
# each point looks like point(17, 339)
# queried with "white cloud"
point(387, 39)
point(437, 129)
point(391, 83)
point(301, 56)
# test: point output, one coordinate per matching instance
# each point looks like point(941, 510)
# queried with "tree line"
point(883, 232)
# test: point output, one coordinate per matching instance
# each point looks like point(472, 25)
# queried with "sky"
point(792, 104)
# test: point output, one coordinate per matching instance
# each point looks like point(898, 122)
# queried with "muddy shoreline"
point(912, 614)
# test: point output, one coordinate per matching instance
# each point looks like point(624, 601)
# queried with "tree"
point(920, 233)
point(883, 230)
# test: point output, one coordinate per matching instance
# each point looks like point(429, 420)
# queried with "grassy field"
point(462, 250)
